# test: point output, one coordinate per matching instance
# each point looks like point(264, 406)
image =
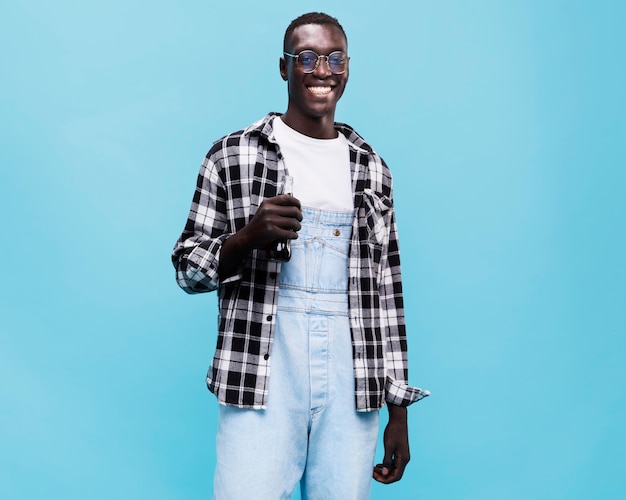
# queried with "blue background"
point(503, 123)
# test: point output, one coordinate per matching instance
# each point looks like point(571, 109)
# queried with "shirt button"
point(273, 275)
point(269, 318)
point(336, 232)
point(266, 357)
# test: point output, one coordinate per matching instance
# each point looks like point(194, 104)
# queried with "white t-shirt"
point(320, 168)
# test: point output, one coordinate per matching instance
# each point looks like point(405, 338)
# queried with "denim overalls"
point(310, 430)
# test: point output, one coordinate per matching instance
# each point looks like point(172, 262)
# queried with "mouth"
point(320, 91)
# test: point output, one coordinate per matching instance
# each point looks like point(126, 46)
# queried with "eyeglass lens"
point(337, 61)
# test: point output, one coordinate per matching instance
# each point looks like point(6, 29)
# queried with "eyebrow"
point(297, 51)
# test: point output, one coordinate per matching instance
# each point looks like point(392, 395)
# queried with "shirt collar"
point(264, 128)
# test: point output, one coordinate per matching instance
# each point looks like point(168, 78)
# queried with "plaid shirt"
point(238, 173)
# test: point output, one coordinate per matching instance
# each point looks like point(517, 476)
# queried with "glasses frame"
point(317, 61)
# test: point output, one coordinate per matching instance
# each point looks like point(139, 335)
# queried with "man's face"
point(314, 95)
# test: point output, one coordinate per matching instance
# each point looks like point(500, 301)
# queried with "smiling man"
point(311, 339)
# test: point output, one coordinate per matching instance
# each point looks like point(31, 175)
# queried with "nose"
point(322, 70)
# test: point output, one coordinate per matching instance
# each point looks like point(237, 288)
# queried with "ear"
point(282, 63)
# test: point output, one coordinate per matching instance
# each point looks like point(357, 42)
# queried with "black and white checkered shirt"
point(238, 173)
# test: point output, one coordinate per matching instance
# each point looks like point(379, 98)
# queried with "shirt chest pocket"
point(378, 211)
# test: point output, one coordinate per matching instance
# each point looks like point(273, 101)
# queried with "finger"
point(391, 470)
point(383, 470)
point(388, 461)
point(279, 206)
point(397, 470)
point(380, 473)
point(281, 234)
point(287, 199)
point(287, 224)
point(291, 212)
point(280, 217)
point(391, 476)
point(281, 213)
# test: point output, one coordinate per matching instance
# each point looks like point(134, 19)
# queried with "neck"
point(320, 128)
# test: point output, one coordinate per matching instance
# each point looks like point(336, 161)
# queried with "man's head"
point(315, 81)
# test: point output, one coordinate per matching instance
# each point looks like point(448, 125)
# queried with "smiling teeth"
point(320, 90)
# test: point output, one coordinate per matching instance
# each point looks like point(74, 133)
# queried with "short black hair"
point(311, 18)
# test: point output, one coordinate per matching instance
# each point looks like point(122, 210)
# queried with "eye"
point(338, 58)
point(307, 58)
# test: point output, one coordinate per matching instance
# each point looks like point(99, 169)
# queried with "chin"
point(321, 112)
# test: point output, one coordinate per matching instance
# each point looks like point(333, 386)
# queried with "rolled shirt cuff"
point(401, 394)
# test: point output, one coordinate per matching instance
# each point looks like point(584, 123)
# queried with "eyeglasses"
point(308, 60)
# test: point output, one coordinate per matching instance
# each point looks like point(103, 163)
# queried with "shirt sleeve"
point(397, 390)
point(197, 252)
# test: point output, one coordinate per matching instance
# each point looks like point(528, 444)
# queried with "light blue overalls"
point(310, 430)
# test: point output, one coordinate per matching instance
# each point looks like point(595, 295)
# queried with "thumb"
point(387, 462)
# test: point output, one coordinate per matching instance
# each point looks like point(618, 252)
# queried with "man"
point(310, 349)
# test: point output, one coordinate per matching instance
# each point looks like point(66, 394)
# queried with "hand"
point(277, 218)
point(396, 441)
